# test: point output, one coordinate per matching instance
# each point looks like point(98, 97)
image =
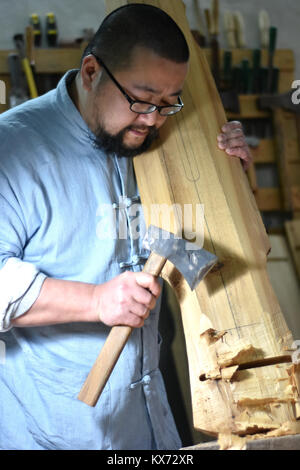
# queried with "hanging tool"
point(227, 70)
point(259, 126)
point(256, 72)
point(244, 74)
point(264, 27)
point(228, 96)
point(37, 32)
point(264, 126)
point(199, 33)
point(283, 101)
point(213, 24)
point(268, 35)
point(18, 93)
point(51, 30)
point(20, 46)
point(239, 28)
point(272, 72)
point(229, 29)
point(193, 265)
point(29, 46)
point(229, 93)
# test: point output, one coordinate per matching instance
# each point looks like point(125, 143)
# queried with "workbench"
point(275, 443)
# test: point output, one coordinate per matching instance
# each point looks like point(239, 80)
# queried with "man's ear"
point(90, 73)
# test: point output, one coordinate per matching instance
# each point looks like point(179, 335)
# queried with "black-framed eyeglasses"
point(142, 107)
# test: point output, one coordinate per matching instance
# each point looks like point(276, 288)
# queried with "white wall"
point(73, 16)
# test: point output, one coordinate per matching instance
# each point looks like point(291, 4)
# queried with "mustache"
point(150, 129)
point(114, 143)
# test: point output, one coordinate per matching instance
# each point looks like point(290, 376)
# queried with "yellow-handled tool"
point(19, 42)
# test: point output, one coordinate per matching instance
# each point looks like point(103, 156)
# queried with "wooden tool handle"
point(113, 346)
point(104, 364)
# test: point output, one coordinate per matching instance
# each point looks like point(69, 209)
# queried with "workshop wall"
point(73, 17)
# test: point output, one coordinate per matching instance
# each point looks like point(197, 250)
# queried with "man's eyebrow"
point(153, 90)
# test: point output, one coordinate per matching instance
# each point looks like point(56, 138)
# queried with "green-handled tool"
point(256, 72)
point(271, 52)
point(245, 75)
point(228, 94)
point(227, 69)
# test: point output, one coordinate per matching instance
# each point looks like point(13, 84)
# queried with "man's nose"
point(150, 119)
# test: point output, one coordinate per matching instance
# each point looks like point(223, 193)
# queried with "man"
point(63, 283)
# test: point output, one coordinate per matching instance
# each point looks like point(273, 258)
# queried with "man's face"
point(149, 78)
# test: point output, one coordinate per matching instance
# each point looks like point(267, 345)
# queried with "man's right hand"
point(127, 299)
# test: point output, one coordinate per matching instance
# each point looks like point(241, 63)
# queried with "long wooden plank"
point(235, 307)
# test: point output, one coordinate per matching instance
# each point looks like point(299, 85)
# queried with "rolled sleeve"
point(20, 283)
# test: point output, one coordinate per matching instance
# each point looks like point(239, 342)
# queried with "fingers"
point(231, 132)
point(137, 315)
point(229, 126)
point(127, 299)
point(241, 153)
point(144, 298)
point(148, 282)
point(232, 141)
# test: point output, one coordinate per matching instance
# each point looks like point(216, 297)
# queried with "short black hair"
point(137, 25)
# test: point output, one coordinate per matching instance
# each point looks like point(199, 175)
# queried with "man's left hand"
point(233, 141)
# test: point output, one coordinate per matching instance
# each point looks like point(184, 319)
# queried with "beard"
point(113, 144)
